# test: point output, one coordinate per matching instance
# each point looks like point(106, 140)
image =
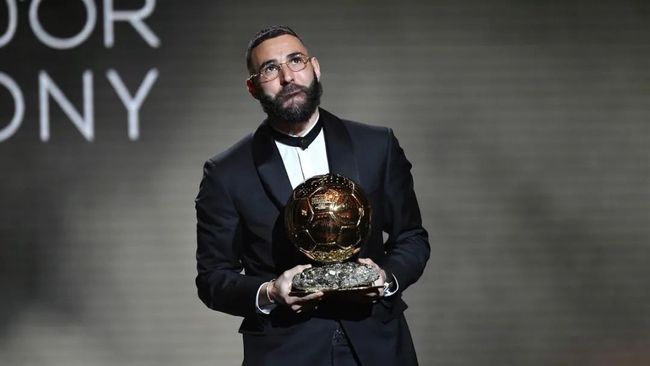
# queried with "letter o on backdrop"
point(63, 43)
point(11, 24)
point(19, 104)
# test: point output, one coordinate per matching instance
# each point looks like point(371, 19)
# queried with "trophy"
point(328, 219)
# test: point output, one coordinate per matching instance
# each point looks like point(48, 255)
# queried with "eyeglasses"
point(271, 71)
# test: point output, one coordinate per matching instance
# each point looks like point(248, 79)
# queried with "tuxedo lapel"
point(340, 152)
point(270, 167)
point(340, 156)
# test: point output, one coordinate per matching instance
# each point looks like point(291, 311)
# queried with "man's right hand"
point(279, 290)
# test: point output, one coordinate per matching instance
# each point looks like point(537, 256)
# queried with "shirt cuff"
point(263, 309)
point(391, 289)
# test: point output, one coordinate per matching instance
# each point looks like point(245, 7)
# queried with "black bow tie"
point(302, 142)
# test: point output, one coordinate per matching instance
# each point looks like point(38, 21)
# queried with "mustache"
point(290, 89)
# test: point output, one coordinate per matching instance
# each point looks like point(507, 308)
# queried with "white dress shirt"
point(303, 164)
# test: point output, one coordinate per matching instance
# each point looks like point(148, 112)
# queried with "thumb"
point(299, 268)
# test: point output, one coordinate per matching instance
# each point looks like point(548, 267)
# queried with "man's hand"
point(278, 291)
point(375, 293)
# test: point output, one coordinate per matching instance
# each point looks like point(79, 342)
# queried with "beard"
point(295, 112)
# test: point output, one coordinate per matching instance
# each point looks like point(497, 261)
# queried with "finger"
point(373, 292)
point(297, 269)
point(379, 292)
point(368, 262)
point(365, 260)
point(304, 299)
point(292, 300)
point(302, 267)
point(311, 297)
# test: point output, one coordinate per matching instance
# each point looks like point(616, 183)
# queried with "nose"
point(286, 75)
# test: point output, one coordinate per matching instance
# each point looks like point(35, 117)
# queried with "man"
point(244, 259)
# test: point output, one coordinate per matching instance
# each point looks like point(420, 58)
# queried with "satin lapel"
point(270, 167)
point(340, 152)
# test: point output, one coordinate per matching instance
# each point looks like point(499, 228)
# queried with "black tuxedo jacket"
point(242, 244)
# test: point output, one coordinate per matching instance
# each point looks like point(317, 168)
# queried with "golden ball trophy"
point(328, 219)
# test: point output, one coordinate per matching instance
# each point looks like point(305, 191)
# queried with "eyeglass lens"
point(295, 64)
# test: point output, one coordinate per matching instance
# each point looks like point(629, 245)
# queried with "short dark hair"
point(264, 34)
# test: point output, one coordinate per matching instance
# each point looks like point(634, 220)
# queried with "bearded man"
point(245, 261)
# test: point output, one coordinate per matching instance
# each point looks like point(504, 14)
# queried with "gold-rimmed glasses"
point(271, 70)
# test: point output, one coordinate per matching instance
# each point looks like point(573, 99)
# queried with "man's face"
point(293, 95)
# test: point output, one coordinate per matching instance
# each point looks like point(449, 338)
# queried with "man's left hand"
point(375, 293)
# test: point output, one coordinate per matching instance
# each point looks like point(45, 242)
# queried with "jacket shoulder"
point(235, 156)
point(365, 128)
point(367, 135)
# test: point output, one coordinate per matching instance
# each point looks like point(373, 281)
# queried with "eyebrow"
point(274, 61)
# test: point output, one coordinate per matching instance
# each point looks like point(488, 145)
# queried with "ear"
point(252, 88)
point(316, 66)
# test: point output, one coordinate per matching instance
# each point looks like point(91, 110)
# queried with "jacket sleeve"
point(220, 282)
point(407, 248)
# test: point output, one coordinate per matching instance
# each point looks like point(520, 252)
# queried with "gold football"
point(328, 218)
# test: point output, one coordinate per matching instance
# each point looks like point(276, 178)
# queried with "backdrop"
point(526, 123)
